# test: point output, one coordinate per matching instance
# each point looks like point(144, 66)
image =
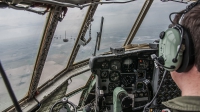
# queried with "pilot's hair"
point(191, 22)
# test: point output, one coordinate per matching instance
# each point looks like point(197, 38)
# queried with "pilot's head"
point(189, 81)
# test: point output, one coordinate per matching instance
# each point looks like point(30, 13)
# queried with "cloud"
point(18, 24)
point(72, 22)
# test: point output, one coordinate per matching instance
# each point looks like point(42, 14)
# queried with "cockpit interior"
point(84, 55)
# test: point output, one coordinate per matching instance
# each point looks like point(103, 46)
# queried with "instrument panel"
point(134, 72)
point(127, 70)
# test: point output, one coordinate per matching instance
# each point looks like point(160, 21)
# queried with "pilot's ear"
point(195, 68)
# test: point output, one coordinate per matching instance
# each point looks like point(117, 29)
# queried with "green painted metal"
point(89, 85)
point(168, 48)
point(75, 92)
point(116, 102)
point(56, 96)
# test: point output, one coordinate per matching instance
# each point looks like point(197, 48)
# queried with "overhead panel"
point(65, 3)
point(76, 1)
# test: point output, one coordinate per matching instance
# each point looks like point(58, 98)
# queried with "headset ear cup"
point(188, 54)
point(168, 49)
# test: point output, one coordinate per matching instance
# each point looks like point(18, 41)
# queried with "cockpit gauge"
point(139, 86)
point(105, 65)
point(128, 65)
point(141, 74)
point(128, 79)
point(111, 87)
point(143, 64)
point(115, 65)
point(114, 76)
point(104, 74)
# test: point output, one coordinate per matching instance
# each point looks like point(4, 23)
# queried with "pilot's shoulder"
point(184, 103)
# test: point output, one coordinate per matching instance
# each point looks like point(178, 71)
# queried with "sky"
point(19, 24)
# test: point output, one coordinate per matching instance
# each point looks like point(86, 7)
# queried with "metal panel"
point(44, 48)
point(28, 105)
point(77, 1)
point(80, 2)
point(81, 35)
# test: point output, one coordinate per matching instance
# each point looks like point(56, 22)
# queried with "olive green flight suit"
point(184, 104)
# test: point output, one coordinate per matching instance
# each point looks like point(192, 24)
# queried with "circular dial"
point(128, 79)
point(114, 76)
point(105, 65)
point(141, 74)
point(128, 65)
point(140, 85)
point(143, 64)
point(111, 87)
point(115, 65)
point(104, 74)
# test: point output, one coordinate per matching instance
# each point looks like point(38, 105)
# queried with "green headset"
point(176, 48)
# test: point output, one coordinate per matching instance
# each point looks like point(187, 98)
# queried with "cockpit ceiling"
point(76, 2)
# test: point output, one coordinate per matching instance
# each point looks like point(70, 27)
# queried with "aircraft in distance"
point(107, 68)
point(65, 39)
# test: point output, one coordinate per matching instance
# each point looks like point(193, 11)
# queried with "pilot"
point(188, 82)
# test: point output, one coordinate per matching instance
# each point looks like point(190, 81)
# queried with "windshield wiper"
point(101, 27)
point(98, 40)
